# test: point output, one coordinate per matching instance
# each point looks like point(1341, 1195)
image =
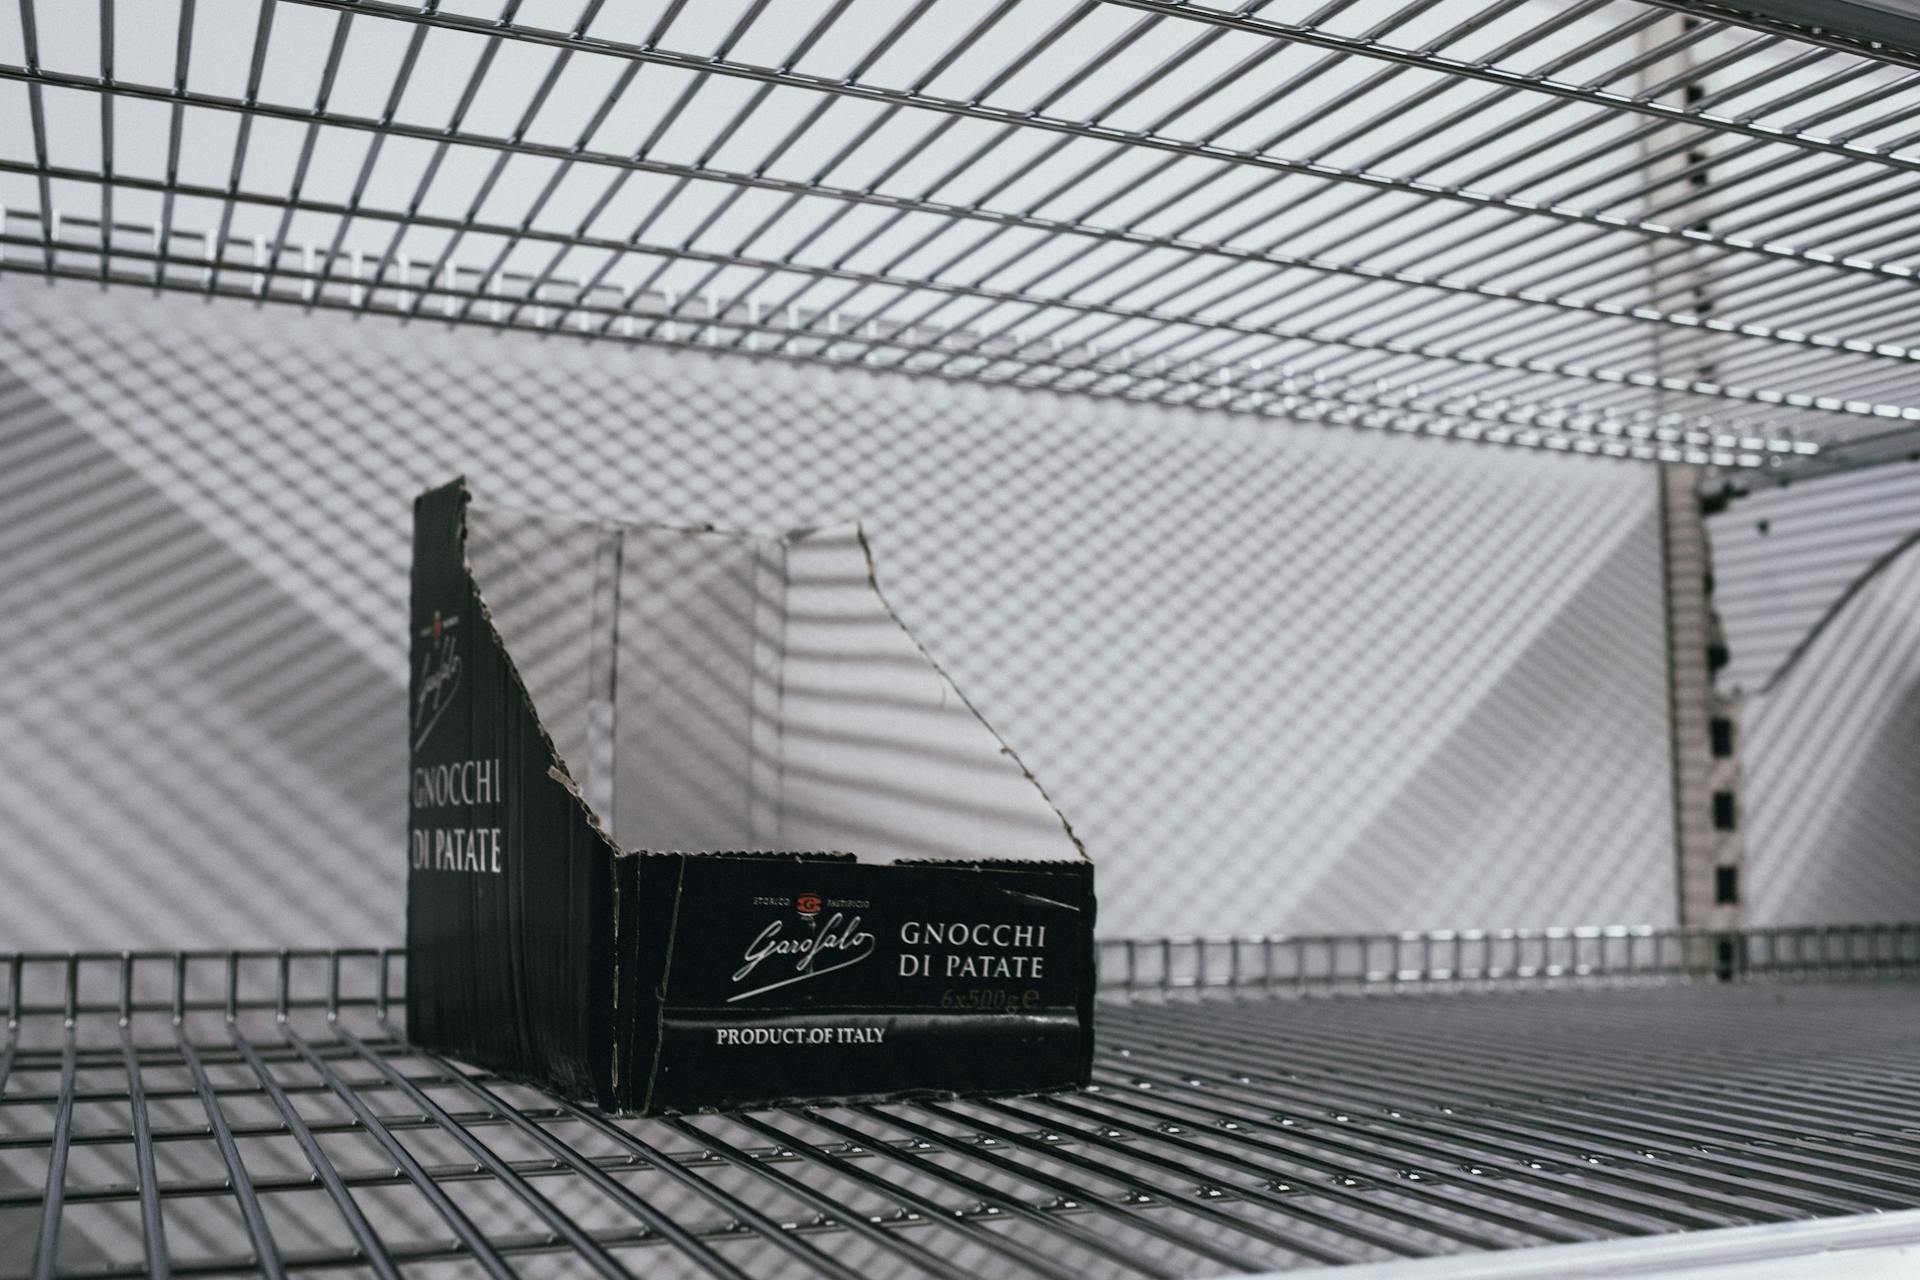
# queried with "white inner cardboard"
point(711, 690)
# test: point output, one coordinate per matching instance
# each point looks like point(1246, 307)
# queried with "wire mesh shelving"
point(221, 1113)
point(1670, 231)
point(1665, 230)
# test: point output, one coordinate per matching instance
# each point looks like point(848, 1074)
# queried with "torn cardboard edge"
point(618, 729)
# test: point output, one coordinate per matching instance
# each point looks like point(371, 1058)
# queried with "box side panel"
point(509, 890)
point(790, 979)
point(537, 575)
point(880, 753)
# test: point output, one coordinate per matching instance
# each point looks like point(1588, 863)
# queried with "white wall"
point(1280, 678)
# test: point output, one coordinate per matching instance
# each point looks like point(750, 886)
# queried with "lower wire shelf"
point(202, 1115)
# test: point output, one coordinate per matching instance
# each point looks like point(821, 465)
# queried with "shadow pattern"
point(1279, 678)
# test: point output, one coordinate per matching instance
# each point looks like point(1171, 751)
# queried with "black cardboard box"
point(617, 729)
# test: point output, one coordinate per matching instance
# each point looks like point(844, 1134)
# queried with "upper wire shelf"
point(1666, 231)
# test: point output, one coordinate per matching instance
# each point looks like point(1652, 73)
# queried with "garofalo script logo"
point(776, 959)
point(439, 676)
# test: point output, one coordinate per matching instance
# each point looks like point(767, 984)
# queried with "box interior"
point(718, 690)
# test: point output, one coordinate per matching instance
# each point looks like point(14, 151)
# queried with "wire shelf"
point(218, 1113)
point(1668, 231)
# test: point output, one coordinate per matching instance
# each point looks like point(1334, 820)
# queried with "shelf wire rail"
point(262, 1113)
point(1667, 231)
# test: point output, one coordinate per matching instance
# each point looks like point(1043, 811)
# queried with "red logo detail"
point(437, 626)
point(807, 903)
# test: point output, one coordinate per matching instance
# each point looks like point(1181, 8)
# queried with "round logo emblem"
point(807, 903)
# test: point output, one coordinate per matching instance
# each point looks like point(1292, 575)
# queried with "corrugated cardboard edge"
point(660, 995)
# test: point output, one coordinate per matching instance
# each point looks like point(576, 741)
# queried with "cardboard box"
point(618, 731)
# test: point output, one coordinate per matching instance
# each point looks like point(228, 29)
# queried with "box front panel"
point(788, 979)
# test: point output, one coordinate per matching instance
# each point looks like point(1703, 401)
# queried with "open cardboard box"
point(605, 720)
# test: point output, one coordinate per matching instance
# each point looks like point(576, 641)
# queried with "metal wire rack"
point(1668, 230)
point(216, 1113)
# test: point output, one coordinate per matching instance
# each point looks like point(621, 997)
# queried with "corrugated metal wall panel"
point(1783, 556)
point(1281, 678)
point(1833, 762)
point(1832, 750)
